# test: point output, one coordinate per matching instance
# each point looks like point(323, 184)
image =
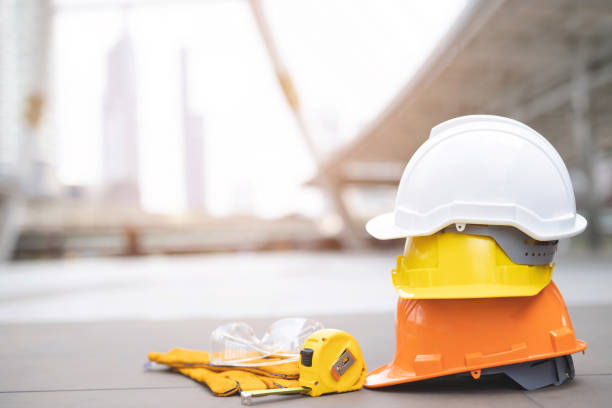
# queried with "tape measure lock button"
point(306, 357)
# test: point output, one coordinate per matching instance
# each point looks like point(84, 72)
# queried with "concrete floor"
point(77, 332)
point(235, 286)
point(100, 365)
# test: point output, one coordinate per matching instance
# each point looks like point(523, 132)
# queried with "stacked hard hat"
point(482, 203)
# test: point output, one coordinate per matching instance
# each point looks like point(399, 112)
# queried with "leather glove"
point(225, 380)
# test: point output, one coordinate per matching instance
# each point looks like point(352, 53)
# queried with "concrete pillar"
point(10, 220)
point(583, 139)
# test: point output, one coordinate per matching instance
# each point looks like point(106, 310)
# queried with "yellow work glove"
point(224, 381)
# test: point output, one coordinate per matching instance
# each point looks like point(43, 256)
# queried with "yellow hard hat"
point(452, 265)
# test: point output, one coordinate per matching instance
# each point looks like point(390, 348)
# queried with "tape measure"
point(331, 361)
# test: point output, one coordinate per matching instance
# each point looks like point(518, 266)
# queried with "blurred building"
point(546, 63)
point(27, 168)
point(120, 163)
point(193, 145)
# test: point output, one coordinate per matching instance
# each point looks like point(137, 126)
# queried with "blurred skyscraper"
point(193, 145)
point(27, 162)
point(121, 180)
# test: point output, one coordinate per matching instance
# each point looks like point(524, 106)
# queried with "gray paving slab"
point(111, 355)
point(496, 391)
point(100, 364)
point(583, 391)
point(593, 324)
point(198, 397)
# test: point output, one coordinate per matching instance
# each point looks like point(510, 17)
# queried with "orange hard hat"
point(436, 337)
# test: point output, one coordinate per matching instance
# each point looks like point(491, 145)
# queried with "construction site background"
point(179, 144)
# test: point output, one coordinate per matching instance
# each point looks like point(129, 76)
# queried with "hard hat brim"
point(388, 375)
point(383, 227)
point(580, 225)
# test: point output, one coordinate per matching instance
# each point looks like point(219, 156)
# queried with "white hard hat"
point(483, 169)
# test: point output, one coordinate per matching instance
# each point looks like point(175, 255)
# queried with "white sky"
point(348, 59)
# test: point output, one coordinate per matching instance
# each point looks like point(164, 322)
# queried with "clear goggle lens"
point(235, 344)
